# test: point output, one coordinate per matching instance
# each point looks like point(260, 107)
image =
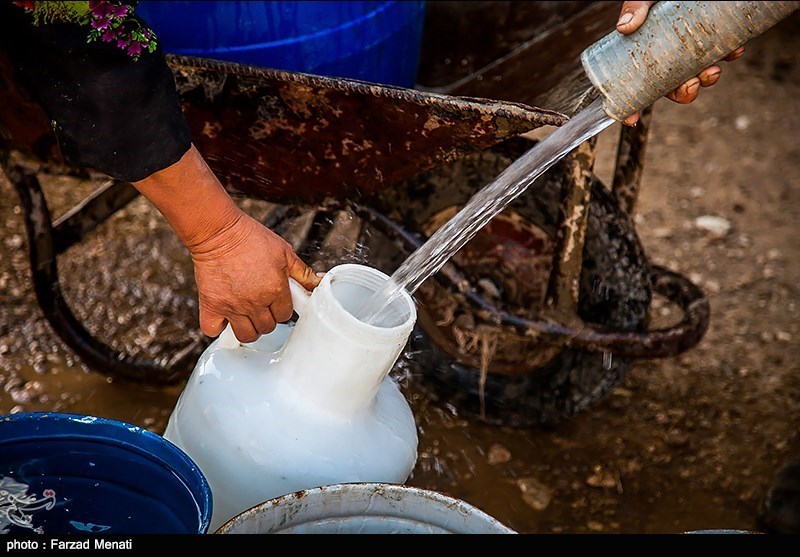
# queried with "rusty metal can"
point(364, 508)
point(677, 41)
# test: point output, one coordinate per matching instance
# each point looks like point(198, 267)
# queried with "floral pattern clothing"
point(97, 71)
point(110, 22)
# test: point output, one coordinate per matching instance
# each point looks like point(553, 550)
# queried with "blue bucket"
point(368, 41)
point(73, 474)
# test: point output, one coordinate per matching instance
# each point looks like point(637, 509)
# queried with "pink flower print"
point(101, 23)
point(134, 49)
point(109, 35)
point(100, 9)
point(118, 11)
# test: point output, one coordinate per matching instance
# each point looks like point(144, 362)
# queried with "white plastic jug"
point(303, 406)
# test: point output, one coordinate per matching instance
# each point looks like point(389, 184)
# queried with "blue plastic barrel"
point(74, 474)
point(368, 41)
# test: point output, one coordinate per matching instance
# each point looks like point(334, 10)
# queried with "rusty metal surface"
point(290, 137)
point(657, 343)
point(276, 135)
point(364, 508)
point(631, 150)
point(296, 138)
point(564, 288)
point(615, 285)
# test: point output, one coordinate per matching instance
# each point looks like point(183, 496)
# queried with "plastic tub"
point(73, 474)
point(369, 41)
point(364, 508)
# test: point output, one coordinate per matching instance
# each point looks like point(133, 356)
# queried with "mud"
point(683, 443)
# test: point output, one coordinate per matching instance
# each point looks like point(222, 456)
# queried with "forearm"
point(240, 266)
point(191, 199)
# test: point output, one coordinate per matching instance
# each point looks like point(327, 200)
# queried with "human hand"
point(631, 18)
point(241, 267)
point(242, 279)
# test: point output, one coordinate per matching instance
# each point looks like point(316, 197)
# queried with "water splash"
point(482, 207)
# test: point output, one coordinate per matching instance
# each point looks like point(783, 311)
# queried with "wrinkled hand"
point(241, 267)
point(631, 18)
point(241, 275)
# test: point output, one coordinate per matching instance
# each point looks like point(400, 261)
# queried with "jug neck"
point(334, 361)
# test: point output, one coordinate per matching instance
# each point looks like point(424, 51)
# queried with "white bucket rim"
point(365, 499)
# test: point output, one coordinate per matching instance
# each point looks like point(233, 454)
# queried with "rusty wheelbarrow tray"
point(514, 329)
point(327, 144)
point(283, 136)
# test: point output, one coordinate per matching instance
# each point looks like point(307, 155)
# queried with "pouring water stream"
point(482, 208)
point(687, 36)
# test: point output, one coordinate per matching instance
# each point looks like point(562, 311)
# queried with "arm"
point(240, 266)
point(113, 106)
point(631, 17)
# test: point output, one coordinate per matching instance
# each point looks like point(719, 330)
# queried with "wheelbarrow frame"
point(483, 123)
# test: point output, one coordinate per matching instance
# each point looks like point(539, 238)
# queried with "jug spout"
point(333, 360)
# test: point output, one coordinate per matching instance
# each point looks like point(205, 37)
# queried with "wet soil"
point(683, 443)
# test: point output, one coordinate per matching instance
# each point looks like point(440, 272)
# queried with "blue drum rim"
point(127, 436)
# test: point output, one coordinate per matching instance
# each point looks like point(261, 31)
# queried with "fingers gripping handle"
point(227, 339)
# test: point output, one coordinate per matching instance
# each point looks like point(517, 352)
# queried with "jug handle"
point(227, 339)
point(299, 294)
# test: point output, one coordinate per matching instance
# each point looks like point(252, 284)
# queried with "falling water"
point(483, 207)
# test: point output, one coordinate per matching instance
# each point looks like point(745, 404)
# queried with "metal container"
point(364, 508)
point(676, 42)
point(76, 474)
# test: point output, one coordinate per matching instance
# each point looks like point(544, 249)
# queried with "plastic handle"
point(227, 339)
point(299, 294)
point(676, 42)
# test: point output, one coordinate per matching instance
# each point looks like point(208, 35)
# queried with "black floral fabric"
point(97, 71)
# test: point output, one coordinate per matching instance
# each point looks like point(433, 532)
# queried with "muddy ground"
point(683, 443)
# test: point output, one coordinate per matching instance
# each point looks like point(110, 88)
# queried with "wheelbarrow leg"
point(564, 286)
point(630, 161)
point(44, 269)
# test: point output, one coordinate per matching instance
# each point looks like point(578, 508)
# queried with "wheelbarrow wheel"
point(572, 382)
point(615, 293)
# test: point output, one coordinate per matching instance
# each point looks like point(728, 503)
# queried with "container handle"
point(227, 339)
point(299, 294)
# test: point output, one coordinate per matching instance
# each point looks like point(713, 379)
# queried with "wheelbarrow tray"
point(284, 137)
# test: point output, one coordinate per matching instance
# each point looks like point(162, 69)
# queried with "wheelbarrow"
point(517, 329)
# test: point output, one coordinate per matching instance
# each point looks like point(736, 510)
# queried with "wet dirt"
point(683, 443)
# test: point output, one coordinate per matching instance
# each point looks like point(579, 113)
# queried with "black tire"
point(615, 293)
